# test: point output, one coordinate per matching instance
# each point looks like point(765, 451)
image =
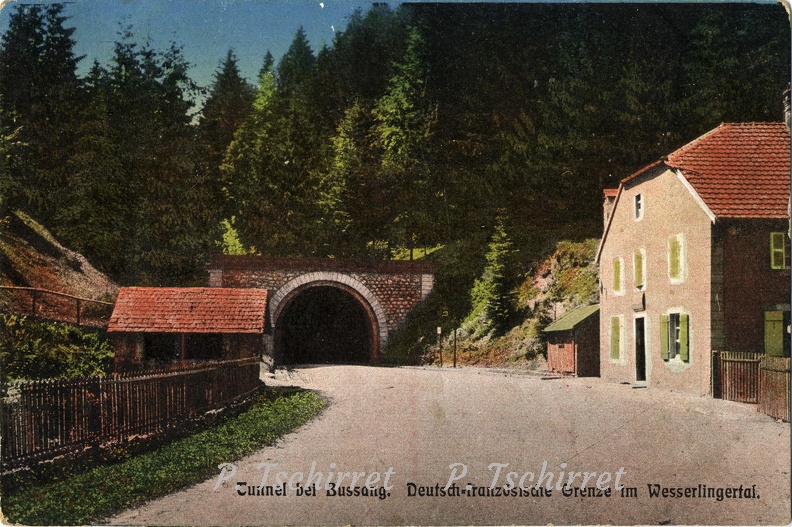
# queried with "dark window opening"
point(160, 348)
point(204, 347)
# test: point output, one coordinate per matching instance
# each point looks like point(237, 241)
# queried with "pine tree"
point(274, 163)
point(229, 102)
point(355, 203)
point(41, 97)
point(97, 221)
point(405, 120)
point(171, 210)
point(491, 302)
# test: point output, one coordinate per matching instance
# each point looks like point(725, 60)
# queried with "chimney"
point(607, 205)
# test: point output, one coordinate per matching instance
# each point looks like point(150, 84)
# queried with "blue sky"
point(206, 29)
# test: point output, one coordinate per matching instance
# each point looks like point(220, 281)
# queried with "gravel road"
point(411, 429)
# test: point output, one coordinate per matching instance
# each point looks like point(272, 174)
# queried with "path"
point(421, 421)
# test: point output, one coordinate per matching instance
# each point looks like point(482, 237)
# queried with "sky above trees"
point(205, 28)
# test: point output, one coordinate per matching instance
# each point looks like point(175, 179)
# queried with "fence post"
point(94, 411)
point(715, 377)
point(78, 311)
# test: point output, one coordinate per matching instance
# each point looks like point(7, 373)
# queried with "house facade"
point(695, 258)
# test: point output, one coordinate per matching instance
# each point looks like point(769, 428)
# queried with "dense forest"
point(419, 126)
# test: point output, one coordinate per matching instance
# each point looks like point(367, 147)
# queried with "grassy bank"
point(104, 490)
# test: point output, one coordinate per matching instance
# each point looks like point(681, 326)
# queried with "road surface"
point(413, 431)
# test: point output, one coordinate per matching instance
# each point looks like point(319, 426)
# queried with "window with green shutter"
point(618, 278)
point(638, 268)
point(676, 263)
point(778, 251)
point(675, 336)
point(615, 338)
point(664, 351)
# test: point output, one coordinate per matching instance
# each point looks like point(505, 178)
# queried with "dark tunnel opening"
point(322, 325)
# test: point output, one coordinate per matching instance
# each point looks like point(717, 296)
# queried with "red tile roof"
point(740, 170)
point(189, 310)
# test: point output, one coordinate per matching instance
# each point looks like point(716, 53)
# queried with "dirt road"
point(410, 430)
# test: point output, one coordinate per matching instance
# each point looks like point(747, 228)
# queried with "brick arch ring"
point(376, 314)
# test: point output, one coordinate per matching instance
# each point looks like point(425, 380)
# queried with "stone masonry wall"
point(397, 292)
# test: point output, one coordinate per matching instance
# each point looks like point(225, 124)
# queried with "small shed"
point(573, 343)
point(152, 326)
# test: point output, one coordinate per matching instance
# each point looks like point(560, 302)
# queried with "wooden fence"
point(44, 419)
point(51, 305)
point(774, 387)
point(737, 375)
point(753, 378)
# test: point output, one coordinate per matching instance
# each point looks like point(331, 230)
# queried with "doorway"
point(640, 349)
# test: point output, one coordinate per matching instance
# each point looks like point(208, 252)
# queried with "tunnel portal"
point(324, 324)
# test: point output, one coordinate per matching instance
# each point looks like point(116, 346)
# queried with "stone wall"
point(392, 289)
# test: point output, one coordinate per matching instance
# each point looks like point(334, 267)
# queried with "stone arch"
point(281, 298)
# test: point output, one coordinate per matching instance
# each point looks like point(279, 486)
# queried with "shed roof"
point(189, 310)
point(570, 319)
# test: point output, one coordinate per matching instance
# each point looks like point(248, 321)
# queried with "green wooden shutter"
point(777, 250)
point(774, 333)
point(617, 275)
point(615, 338)
point(684, 342)
point(664, 337)
point(638, 267)
point(674, 257)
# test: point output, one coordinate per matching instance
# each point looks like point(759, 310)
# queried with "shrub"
point(34, 349)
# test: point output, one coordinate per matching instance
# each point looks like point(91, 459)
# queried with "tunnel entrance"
point(324, 324)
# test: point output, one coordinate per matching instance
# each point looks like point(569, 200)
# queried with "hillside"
point(563, 280)
point(30, 256)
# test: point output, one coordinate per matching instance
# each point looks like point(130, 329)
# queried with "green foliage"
point(491, 302)
point(89, 496)
point(403, 133)
point(459, 265)
point(228, 104)
point(272, 166)
point(575, 275)
point(566, 279)
point(40, 95)
point(231, 244)
point(31, 349)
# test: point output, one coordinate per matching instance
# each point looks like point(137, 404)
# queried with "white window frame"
point(783, 251)
point(638, 207)
point(674, 336)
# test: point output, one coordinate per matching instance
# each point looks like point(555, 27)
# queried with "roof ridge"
point(684, 149)
point(695, 142)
